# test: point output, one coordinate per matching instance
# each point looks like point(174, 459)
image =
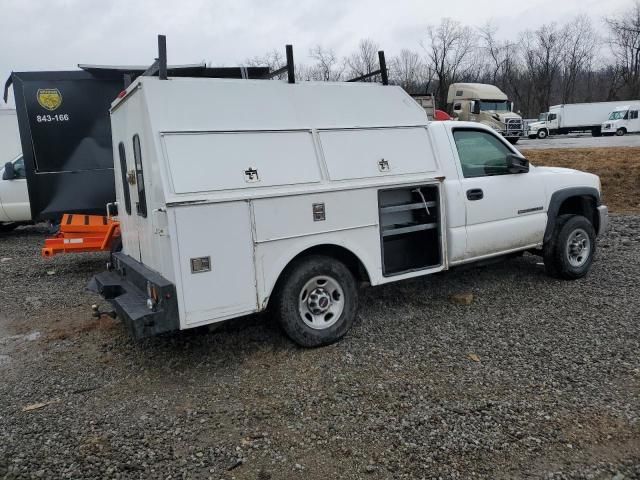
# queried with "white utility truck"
point(14, 197)
point(235, 196)
point(622, 120)
point(571, 118)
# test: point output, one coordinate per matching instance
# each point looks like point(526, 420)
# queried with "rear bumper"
point(126, 287)
point(603, 213)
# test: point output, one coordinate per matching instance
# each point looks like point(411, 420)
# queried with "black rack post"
point(162, 57)
point(383, 68)
point(291, 71)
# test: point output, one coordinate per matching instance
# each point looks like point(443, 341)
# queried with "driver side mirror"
point(9, 172)
point(517, 164)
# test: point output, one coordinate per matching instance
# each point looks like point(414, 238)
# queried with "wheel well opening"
point(352, 262)
point(581, 205)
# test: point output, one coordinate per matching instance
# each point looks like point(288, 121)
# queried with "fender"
point(559, 196)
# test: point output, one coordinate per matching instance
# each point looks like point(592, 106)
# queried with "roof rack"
point(159, 66)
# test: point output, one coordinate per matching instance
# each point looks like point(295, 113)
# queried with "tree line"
point(553, 64)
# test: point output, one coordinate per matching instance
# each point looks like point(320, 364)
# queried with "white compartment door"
point(220, 234)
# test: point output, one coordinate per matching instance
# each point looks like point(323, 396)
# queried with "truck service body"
point(622, 120)
point(575, 117)
point(238, 195)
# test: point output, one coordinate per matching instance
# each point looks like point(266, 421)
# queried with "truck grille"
point(513, 127)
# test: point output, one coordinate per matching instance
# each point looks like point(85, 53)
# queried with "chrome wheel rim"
point(578, 248)
point(321, 302)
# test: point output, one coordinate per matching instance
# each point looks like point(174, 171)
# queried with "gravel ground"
point(579, 141)
point(536, 378)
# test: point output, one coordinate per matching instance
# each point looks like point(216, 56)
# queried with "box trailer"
point(572, 118)
point(235, 196)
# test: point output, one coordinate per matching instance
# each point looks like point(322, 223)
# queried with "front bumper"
point(603, 213)
point(126, 287)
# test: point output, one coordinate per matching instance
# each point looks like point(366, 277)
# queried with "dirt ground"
point(618, 168)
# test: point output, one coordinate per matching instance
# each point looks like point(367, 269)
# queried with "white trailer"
point(235, 196)
point(570, 118)
point(9, 136)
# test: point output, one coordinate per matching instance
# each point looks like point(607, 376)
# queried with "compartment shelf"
point(408, 229)
point(402, 207)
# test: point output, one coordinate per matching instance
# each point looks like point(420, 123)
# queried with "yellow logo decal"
point(49, 98)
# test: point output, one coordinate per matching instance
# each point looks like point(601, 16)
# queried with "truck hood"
point(557, 178)
point(536, 124)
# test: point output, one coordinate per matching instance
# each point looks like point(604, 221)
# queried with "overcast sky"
point(59, 34)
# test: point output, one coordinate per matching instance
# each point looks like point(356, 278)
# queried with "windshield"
point(498, 106)
point(542, 117)
point(618, 115)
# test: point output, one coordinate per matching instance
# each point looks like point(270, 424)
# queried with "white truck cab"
point(14, 197)
point(622, 120)
point(235, 196)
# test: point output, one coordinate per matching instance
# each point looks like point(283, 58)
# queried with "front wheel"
point(620, 132)
point(513, 140)
point(7, 227)
point(317, 301)
point(542, 134)
point(569, 253)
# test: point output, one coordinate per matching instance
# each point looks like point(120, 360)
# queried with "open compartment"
point(410, 229)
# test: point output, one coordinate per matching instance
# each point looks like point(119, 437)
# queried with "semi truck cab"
point(486, 104)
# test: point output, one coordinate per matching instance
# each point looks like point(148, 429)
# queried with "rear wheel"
point(513, 140)
point(569, 253)
point(620, 132)
point(542, 134)
point(317, 301)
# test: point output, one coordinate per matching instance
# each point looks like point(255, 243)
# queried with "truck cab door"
point(504, 211)
point(14, 196)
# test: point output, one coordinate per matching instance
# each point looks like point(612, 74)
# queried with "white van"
point(622, 120)
point(239, 195)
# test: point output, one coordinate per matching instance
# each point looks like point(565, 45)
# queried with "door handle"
point(475, 194)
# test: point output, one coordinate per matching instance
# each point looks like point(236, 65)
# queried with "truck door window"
point(552, 116)
point(141, 206)
point(123, 174)
point(18, 167)
point(634, 114)
point(481, 153)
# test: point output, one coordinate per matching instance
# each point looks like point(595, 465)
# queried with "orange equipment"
point(82, 233)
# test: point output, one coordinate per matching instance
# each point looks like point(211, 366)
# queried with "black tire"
point(8, 227)
point(542, 134)
point(532, 137)
point(513, 140)
point(620, 132)
point(596, 132)
point(290, 293)
point(557, 258)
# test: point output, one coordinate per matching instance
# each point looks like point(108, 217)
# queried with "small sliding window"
point(123, 174)
point(141, 206)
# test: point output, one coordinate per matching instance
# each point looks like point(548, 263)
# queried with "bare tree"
point(542, 50)
point(408, 71)
point(624, 39)
point(327, 67)
point(364, 60)
point(449, 47)
point(580, 46)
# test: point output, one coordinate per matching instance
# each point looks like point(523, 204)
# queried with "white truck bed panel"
point(228, 289)
point(202, 162)
point(377, 152)
point(584, 114)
